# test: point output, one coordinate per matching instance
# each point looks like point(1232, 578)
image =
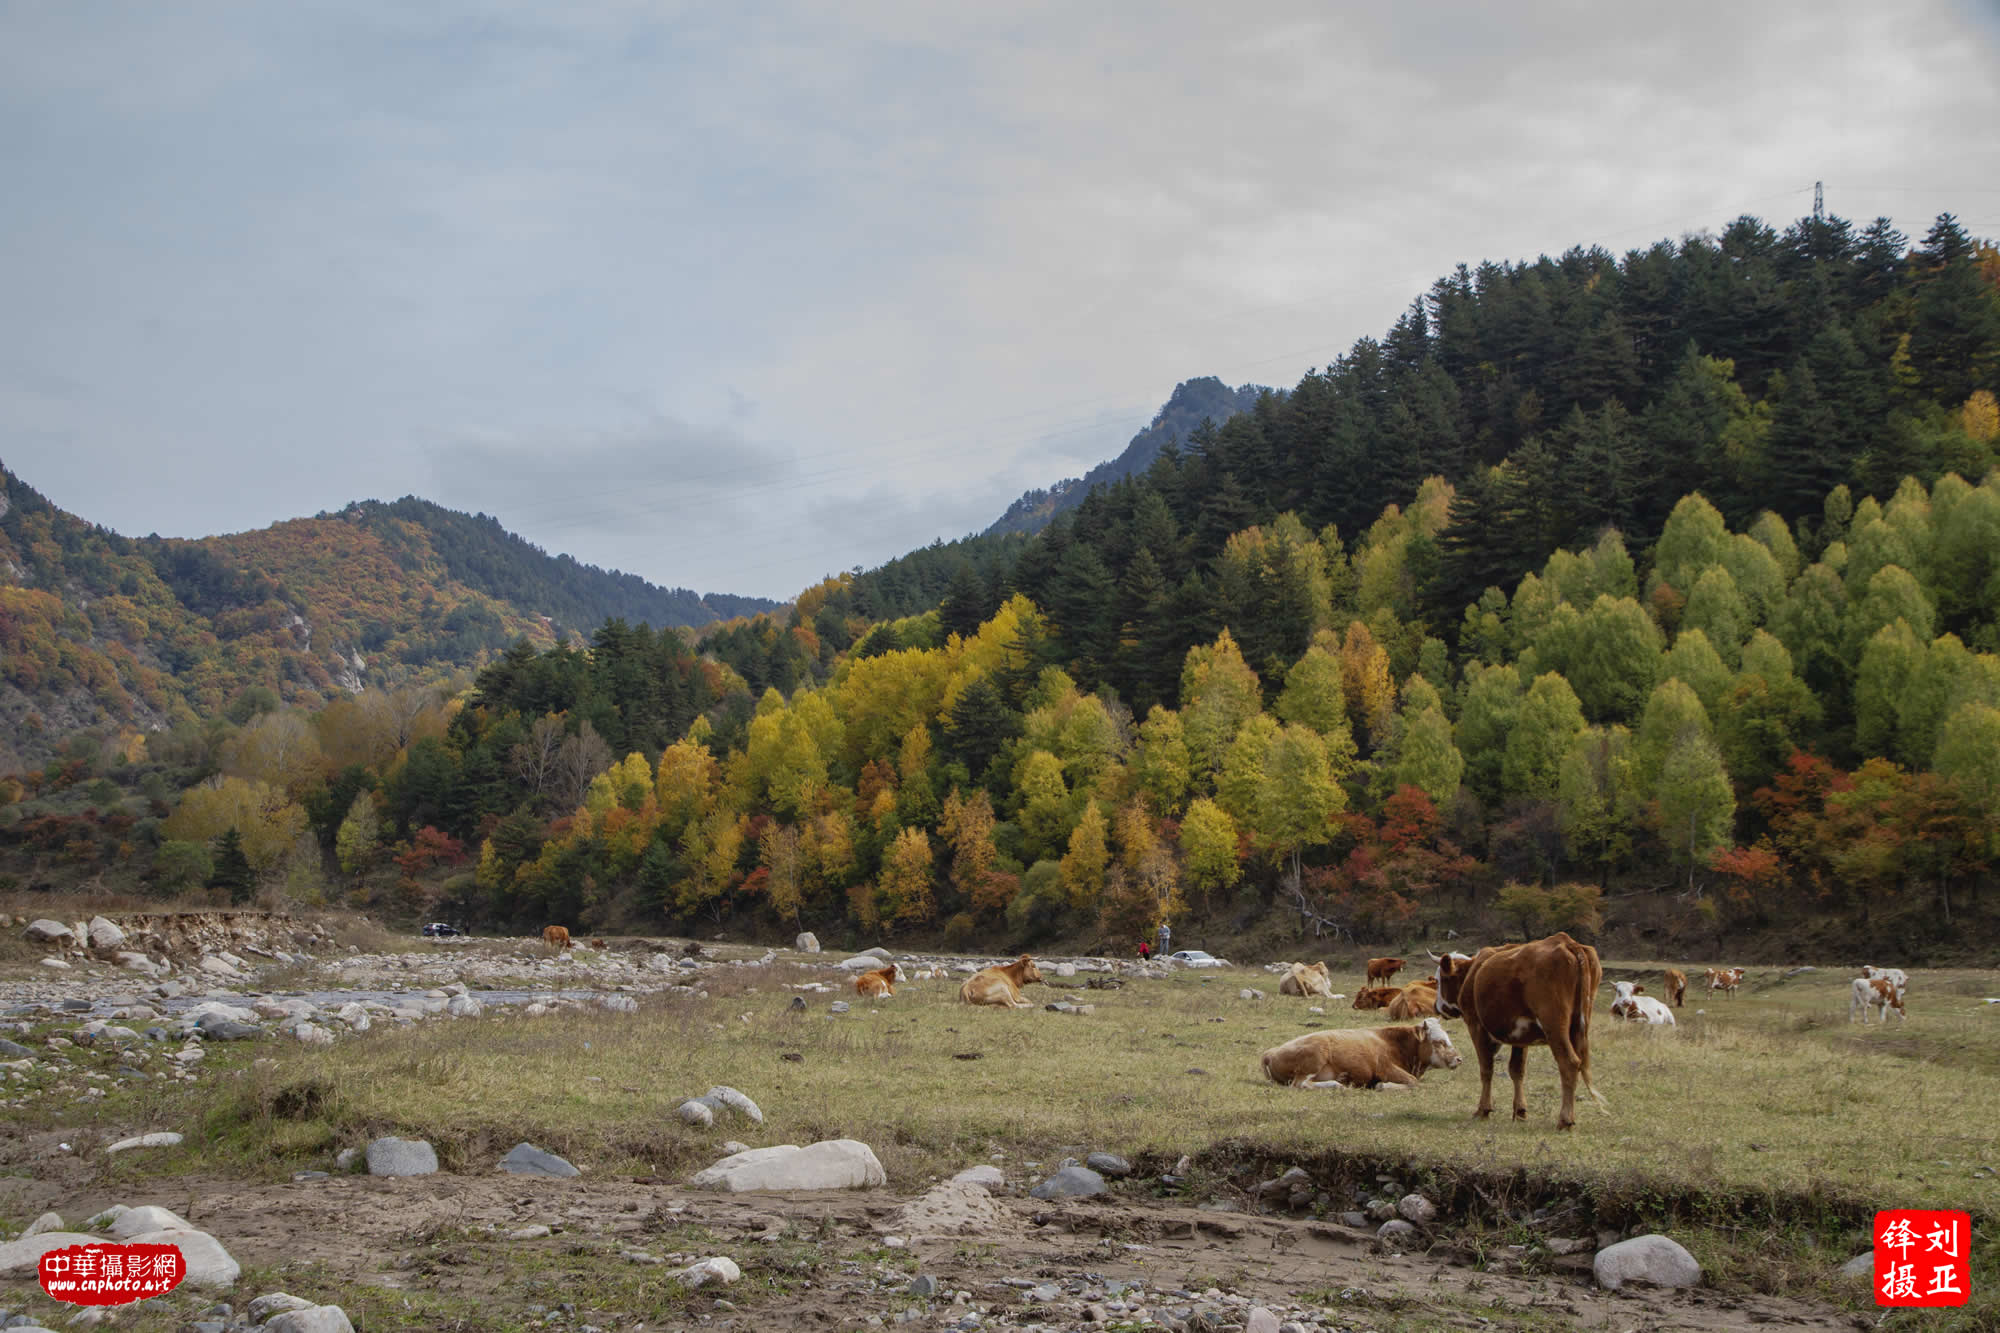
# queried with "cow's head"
point(1450, 976)
point(1029, 972)
point(1626, 990)
point(1373, 997)
point(1441, 1054)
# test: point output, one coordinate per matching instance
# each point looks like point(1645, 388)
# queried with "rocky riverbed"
point(1080, 1242)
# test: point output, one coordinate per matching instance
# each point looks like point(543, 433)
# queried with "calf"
point(878, 983)
point(1895, 976)
point(1376, 997)
point(1677, 987)
point(1640, 1008)
point(1307, 980)
point(1382, 969)
point(1362, 1057)
point(1724, 979)
point(556, 937)
point(1419, 999)
point(1524, 995)
point(1876, 993)
point(1001, 984)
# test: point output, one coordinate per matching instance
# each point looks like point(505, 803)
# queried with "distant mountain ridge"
point(1191, 403)
point(123, 635)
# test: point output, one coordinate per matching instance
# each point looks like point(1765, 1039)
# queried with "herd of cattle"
point(1539, 993)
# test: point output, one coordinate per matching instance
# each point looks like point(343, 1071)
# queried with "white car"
point(1196, 958)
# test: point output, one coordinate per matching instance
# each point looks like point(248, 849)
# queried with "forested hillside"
point(1655, 592)
point(1196, 401)
point(121, 636)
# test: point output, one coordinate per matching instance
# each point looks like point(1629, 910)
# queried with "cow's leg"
point(1484, 1047)
point(1567, 1065)
point(1399, 1077)
point(1517, 1069)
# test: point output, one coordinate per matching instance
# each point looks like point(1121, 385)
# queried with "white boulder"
point(1655, 1260)
point(832, 1164)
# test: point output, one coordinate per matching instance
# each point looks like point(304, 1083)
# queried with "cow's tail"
point(1589, 980)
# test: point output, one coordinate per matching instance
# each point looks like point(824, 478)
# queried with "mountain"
point(122, 635)
point(1193, 402)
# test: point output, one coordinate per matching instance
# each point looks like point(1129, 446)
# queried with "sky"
point(738, 296)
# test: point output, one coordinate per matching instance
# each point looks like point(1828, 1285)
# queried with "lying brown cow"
point(1376, 997)
point(1307, 980)
point(1382, 969)
point(1524, 995)
point(1419, 999)
point(1677, 987)
point(878, 983)
point(1362, 1057)
point(1001, 984)
point(556, 937)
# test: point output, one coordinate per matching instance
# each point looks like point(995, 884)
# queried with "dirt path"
point(1024, 1264)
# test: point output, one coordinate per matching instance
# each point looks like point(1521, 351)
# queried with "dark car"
point(438, 930)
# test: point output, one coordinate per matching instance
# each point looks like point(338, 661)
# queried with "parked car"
point(1197, 958)
point(438, 930)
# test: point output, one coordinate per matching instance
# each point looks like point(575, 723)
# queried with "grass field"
point(1768, 1127)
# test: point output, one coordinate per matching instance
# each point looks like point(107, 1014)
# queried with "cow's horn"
point(1434, 957)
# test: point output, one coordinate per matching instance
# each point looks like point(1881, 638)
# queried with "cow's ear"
point(1638, 990)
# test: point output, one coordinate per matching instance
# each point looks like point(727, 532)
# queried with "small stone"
point(275, 1303)
point(1399, 1233)
point(315, 1319)
point(696, 1113)
point(717, 1269)
point(1249, 993)
point(535, 1232)
point(401, 1157)
point(1652, 1259)
point(1359, 1221)
point(1108, 1164)
point(1072, 1182)
point(1861, 1265)
point(345, 1159)
point(923, 1285)
point(1260, 1320)
point(528, 1160)
point(988, 1177)
point(46, 1222)
point(1418, 1209)
point(837, 1007)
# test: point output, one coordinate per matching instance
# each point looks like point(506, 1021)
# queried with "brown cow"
point(878, 983)
point(1376, 997)
point(1305, 979)
point(1419, 999)
point(1001, 984)
point(1677, 987)
point(1524, 995)
point(1382, 969)
point(1362, 1057)
point(556, 937)
point(1724, 979)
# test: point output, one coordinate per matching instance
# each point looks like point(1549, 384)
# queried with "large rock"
point(832, 1164)
point(165, 1138)
point(401, 1157)
point(46, 931)
point(318, 1319)
point(1655, 1260)
point(807, 942)
point(720, 1270)
point(955, 1208)
point(148, 1217)
point(208, 1264)
point(276, 1302)
point(18, 1258)
point(138, 962)
point(1072, 1182)
point(528, 1160)
point(105, 938)
point(464, 1006)
point(986, 1177)
point(866, 962)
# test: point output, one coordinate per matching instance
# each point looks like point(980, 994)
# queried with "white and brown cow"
point(1000, 985)
point(1724, 979)
point(1876, 993)
point(1895, 976)
point(1307, 979)
point(1362, 1057)
point(1632, 1003)
point(1524, 995)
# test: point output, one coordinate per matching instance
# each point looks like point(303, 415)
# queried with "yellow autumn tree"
point(1366, 682)
point(903, 890)
point(269, 824)
point(1083, 865)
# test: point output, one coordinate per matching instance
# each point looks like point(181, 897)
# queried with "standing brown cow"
point(1524, 995)
point(1677, 987)
point(1380, 970)
point(556, 937)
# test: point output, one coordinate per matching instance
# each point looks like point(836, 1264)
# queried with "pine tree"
point(232, 869)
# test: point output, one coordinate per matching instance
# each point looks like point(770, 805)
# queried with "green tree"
point(1426, 758)
point(360, 833)
point(1691, 542)
point(1300, 793)
point(1313, 693)
point(1695, 661)
point(232, 870)
point(1695, 804)
point(1717, 608)
point(1616, 655)
point(1043, 798)
point(1596, 799)
point(1891, 661)
point(1492, 703)
point(1243, 770)
point(1219, 693)
point(179, 866)
point(1549, 720)
point(1892, 595)
point(1968, 753)
point(1673, 713)
point(1160, 760)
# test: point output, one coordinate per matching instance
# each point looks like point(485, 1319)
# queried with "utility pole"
point(1819, 204)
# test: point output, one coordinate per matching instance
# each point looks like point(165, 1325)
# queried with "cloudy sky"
point(735, 296)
